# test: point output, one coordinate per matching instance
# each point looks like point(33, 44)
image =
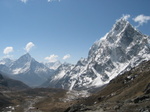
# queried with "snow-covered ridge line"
point(118, 51)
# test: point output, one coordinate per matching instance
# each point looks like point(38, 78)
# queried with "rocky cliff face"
point(121, 49)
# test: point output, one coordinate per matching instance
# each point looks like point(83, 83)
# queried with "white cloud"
point(53, 0)
point(66, 56)
point(29, 46)
point(24, 1)
point(126, 17)
point(141, 19)
point(52, 58)
point(8, 50)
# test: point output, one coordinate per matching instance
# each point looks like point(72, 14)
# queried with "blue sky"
point(52, 29)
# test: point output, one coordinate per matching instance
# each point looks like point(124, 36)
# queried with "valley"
point(36, 100)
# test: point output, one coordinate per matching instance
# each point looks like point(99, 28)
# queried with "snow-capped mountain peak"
point(53, 65)
point(28, 70)
point(22, 64)
point(122, 48)
point(26, 58)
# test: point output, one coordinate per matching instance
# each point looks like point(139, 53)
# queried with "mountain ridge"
point(27, 70)
point(121, 49)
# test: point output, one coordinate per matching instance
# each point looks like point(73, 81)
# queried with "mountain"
point(121, 49)
point(129, 92)
point(6, 61)
point(3, 82)
point(5, 65)
point(53, 65)
point(27, 70)
point(61, 71)
point(5, 69)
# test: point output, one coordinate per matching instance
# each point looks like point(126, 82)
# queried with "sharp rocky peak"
point(121, 34)
point(26, 57)
point(120, 24)
point(119, 50)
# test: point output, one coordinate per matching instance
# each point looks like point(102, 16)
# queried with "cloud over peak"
point(8, 50)
point(66, 56)
point(24, 1)
point(53, 0)
point(29, 46)
point(126, 16)
point(52, 58)
point(141, 19)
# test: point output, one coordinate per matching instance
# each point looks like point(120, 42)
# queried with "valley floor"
point(40, 100)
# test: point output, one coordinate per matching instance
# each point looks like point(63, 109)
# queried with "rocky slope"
point(129, 92)
point(60, 72)
point(121, 49)
point(7, 85)
point(53, 65)
point(11, 84)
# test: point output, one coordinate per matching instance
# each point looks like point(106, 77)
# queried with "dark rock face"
point(78, 108)
point(11, 83)
point(142, 98)
point(147, 89)
point(3, 82)
point(4, 101)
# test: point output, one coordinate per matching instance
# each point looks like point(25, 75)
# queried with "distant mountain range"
point(59, 73)
point(27, 70)
point(121, 49)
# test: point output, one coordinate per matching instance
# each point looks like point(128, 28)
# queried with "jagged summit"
point(122, 33)
point(112, 36)
point(120, 24)
point(24, 60)
point(122, 48)
point(26, 57)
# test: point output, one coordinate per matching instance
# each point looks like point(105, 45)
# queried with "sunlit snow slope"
point(119, 50)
